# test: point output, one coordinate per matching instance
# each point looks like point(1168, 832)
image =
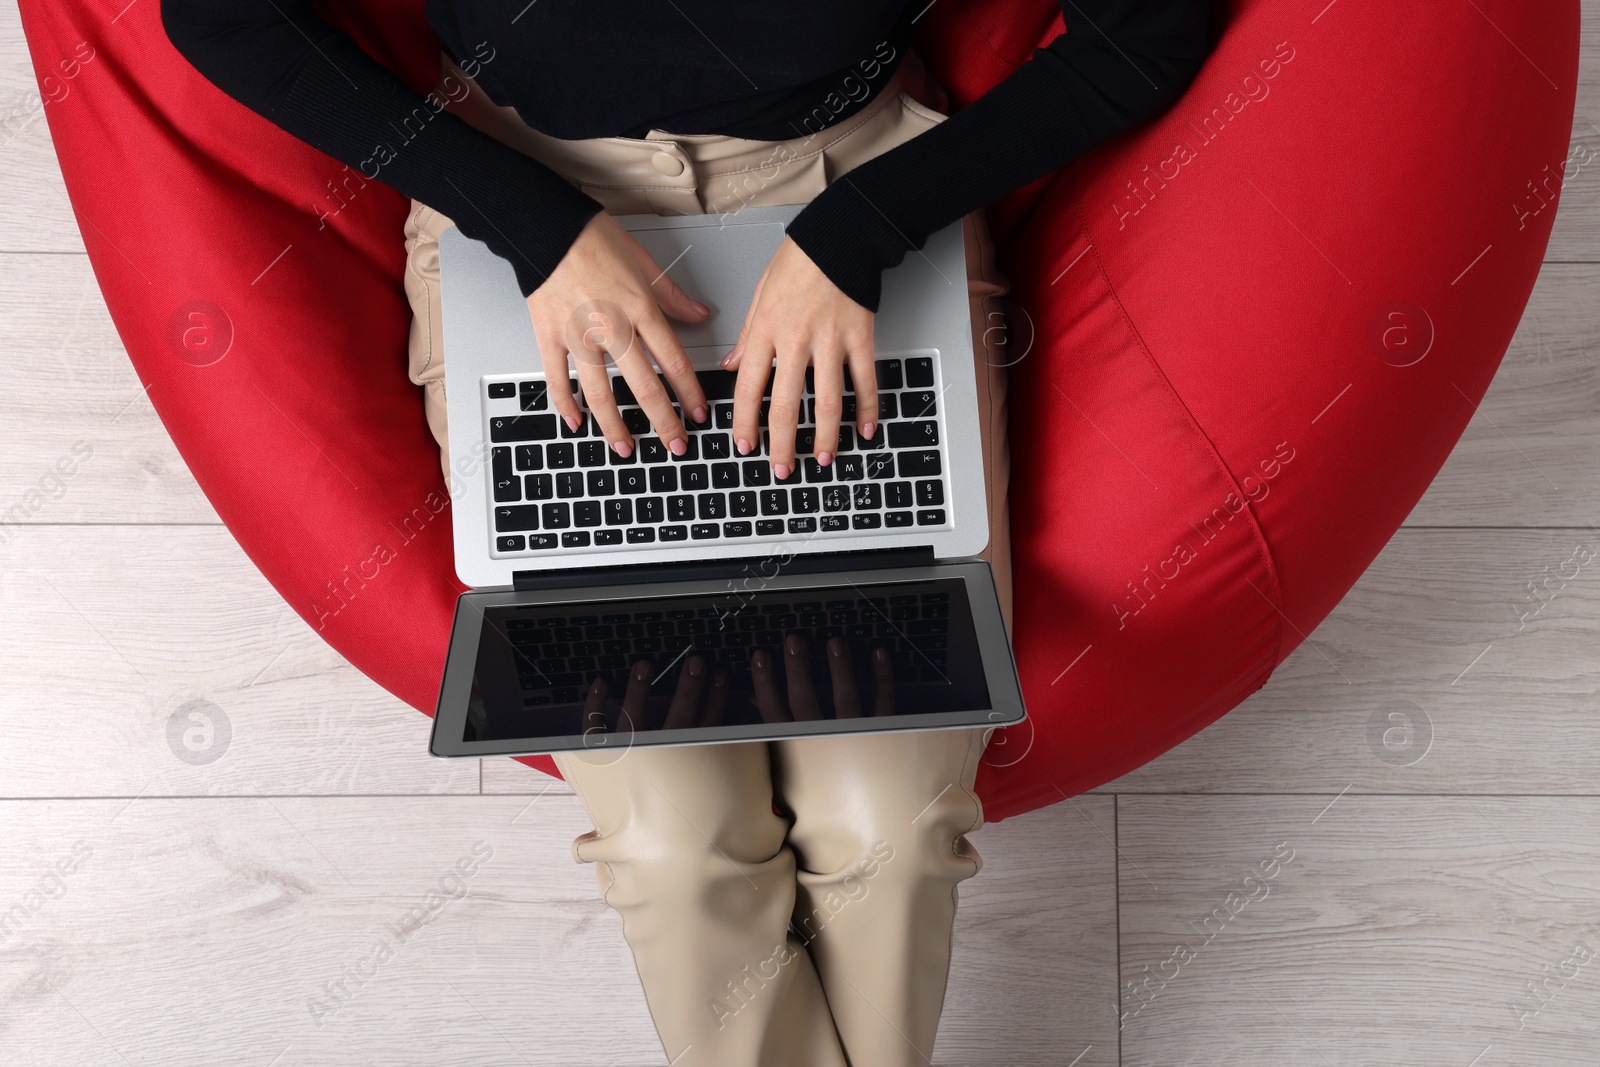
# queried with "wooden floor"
point(1418, 891)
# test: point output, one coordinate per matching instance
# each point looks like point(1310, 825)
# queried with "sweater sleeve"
point(287, 64)
point(1121, 63)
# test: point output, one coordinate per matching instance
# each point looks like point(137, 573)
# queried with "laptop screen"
point(724, 659)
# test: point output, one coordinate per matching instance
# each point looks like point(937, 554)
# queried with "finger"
point(717, 700)
point(652, 396)
point(594, 705)
point(558, 379)
point(764, 680)
point(846, 697)
point(669, 295)
point(685, 705)
point(883, 682)
point(596, 383)
point(864, 375)
point(788, 387)
point(735, 354)
point(797, 666)
point(637, 694)
point(748, 390)
point(828, 401)
point(669, 355)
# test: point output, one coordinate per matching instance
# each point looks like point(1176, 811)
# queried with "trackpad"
point(718, 266)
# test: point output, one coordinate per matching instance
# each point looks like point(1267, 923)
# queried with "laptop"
point(660, 599)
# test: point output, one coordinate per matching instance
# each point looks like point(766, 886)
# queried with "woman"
point(818, 934)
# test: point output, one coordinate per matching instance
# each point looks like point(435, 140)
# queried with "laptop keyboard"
point(552, 488)
point(558, 654)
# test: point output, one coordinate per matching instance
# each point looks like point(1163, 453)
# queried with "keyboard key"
point(802, 526)
point(636, 420)
point(695, 477)
point(539, 486)
point(569, 484)
point(834, 523)
point(737, 529)
point(522, 428)
point(849, 468)
point(586, 513)
point(713, 505)
point(674, 533)
point(567, 432)
point(899, 494)
point(535, 396)
point(716, 446)
point(703, 531)
point(718, 384)
point(923, 434)
point(515, 519)
point(919, 464)
point(641, 535)
point(868, 496)
point(617, 459)
point(663, 480)
point(768, 527)
point(888, 408)
point(608, 537)
point(806, 501)
point(544, 540)
point(680, 508)
point(619, 512)
point(507, 486)
point(873, 443)
point(631, 481)
point(650, 509)
point(898, 518)
point(530, 457)
point(560, 457)
point(502, 390)
point(725, 475)
point(836, 498)
point(622, 391)
point(816, 472)
point(847, 438)
point(742, 505)
point(774, 502)
point(723, 416)
point(757, 472)
point(930, 493)
point(805, 441)
point(919, 405)
point(691, 447)
point(575, 539)
point(919, 373)
point(512, 543)
point(889, 376)
point(602, 483)
point(931, 518)
point(792, 479)
point(592, 454)
point(653, 450)
point(557, 516)
point(868, 521)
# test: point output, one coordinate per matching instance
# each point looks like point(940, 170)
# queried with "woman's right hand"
point(604, 272)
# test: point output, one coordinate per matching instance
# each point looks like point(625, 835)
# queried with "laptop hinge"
point(722, 569)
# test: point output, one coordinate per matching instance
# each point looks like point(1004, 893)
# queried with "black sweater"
point(764, 71)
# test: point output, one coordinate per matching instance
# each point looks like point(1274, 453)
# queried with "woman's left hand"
point(800, 316)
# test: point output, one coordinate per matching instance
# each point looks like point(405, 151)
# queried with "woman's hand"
point(699, 700)
point(797, 699)
point(606, 264)
point(800, 316)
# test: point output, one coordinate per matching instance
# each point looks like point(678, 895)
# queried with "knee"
point(891, 843)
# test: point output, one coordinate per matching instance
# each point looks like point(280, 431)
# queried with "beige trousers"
point(819, 933)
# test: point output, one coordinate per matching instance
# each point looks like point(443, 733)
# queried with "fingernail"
point(727, 359)
point(744, 447)
point(678, 446)
point(867, 428)
point(572, 423)
point(623, 448)
point(824, 458)
point(695, 666)
point(698, 414)
point(700, 307)
point(836, 648)
point(793, 647)
point(780, 470)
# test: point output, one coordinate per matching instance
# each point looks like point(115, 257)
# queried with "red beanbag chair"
point(1245, 336)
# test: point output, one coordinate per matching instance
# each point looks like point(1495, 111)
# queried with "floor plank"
point(207, 930)
point(1430, 634)
point(120, 630)
point(1379, 931)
